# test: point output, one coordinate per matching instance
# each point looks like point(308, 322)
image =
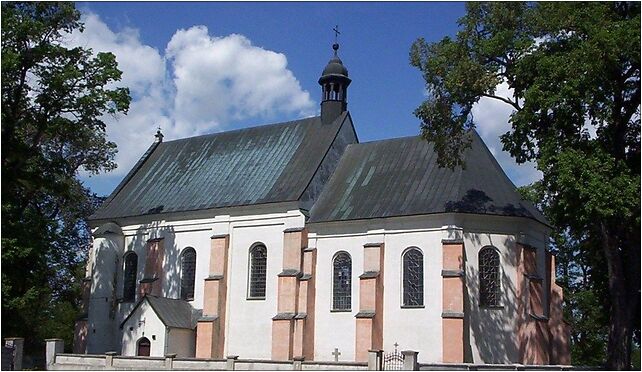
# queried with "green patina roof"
point(264, 164)
point(400, 177)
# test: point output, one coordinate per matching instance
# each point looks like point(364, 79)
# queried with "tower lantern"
point(334, 83)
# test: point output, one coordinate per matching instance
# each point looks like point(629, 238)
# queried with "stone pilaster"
point(304, 319)
point(533, 335)
point(290, 316)
point(369, 319)
point(559, 350)
point(453, 287)
point(152, 282)
point(210, 331)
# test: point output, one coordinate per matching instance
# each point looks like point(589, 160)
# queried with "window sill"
point(413, 306)
point(340, 310)
point(255, 298)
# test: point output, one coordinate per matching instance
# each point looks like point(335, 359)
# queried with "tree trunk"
point(621, 314)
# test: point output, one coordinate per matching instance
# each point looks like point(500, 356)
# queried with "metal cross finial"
point(336, 32)
point(396, 344)
point(159, 135)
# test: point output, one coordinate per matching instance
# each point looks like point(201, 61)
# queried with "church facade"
point(295, 240)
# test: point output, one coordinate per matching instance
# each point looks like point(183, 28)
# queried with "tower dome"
point(334, 83)
point(334, 67)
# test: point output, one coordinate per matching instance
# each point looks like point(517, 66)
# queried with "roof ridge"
point(327, 150)
point(388, 140)
point(284, 123)
point(146, 155)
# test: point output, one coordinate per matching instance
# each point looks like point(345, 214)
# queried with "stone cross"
point(336, 354)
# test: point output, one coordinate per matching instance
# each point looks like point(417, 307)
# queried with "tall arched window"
point(413, 277)
point(129, 282)
point(188, 273)
point(342, 282)
point(489, 277)
point(258, 271)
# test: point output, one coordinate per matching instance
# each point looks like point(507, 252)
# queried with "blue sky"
point(176, 58)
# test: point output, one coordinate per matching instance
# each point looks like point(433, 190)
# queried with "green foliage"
point(53, 102)
point(574, 77)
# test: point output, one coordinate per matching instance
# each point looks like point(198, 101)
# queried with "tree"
point(53, 102)
point(574, 73)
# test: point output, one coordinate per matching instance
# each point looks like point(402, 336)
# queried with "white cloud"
point(199, 84)
point(491, 118)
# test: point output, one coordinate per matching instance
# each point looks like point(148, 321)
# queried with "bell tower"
point(334, 83)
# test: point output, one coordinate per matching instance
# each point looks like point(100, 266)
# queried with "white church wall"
point(492, 331)
point(335, 329)
point(416, 329)
point(103, 332)
point(133, 243)
point(249, 321)
point(199, 239)
point(143, 323)
point(244, 224)
point(412, 328)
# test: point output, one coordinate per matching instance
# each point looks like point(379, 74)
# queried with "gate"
point(393, 361)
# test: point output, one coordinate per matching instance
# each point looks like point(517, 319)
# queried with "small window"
point(258, 271)
point(129, 282)
point(413, 278)
point(342, 282)
point(188, 273)
point(489, 277)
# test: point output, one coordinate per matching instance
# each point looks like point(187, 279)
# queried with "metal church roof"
point(400, 177)
point(172, 312)
point(264, 164)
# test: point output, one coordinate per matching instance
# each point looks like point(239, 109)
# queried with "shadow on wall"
point(494, 329)
point(168, 273)
point(105, 279)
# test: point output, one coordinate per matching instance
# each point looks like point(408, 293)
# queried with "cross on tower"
point(159, 135)
point(336, 32)
point(336, 354)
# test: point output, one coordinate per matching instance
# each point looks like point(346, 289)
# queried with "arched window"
point(129, 282)
point(342, 282)
point(413, 278)
point(258, 271)
point(188, 273)
point(489, 277)
point(144, 347)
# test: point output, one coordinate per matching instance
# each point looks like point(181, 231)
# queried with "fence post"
point(17, 343)
point(231, 360)
point(374, 360)
point(297, 365)
point(53, 346)
point(109, 359)
point(410, 360)
point(169, 361)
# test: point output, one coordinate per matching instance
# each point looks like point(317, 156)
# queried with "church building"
point(295, 240)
